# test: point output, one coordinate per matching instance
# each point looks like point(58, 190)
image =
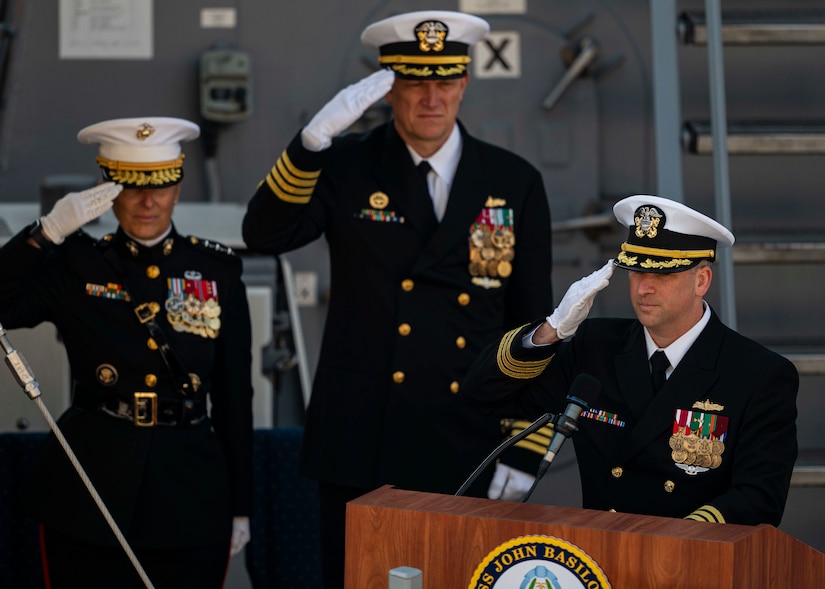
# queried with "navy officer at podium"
point(713, 438)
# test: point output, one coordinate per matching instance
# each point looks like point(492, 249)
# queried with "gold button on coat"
point(464, 299)
point(398, 377)
point(460, 342)
point(404, 329)
point(407, 284)
point(153, 271)
point(669, 486)
point(150, 380)
point(151, 344)
point(454, 386)
point(617, 472)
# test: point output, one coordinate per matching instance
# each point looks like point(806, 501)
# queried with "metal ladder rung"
point(808, 364)
point(757, 28)
point(757, 138)
point(808, 476)
point(779, 253)
point(809, 470)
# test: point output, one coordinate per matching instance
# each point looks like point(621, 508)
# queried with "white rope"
point(25, 378)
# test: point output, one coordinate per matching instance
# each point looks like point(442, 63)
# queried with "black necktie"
point(659, 364)
point(424, 167)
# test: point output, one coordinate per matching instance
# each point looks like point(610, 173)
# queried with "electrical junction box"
point(225, 85)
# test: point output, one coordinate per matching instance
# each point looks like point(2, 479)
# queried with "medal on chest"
point(192, 305)
point(492, 245)
point(698, 440)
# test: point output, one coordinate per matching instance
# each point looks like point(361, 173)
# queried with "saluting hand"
point(74, 210)
point(345, 108)
point(577, 301)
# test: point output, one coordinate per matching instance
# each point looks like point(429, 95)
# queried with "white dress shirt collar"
point(677, 350)
point(444, 162)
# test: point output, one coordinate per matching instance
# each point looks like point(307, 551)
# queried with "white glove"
point(345, 108)
point(509, 484)
point(74, 210)
point(576, 303)
point(240, 534)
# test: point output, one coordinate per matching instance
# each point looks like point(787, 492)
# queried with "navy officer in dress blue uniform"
point(157, 331)
point(427, 267)
point(716, 442)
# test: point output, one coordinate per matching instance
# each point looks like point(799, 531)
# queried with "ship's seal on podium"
point(538, 562)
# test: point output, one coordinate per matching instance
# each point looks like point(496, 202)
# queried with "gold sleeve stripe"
point(537, 441)
point(295, 171)
point(298, 200)
point(707, 513)
point(513, 368)
point(528, 445)
point(281, 169)
point(541, 436)
point(289, 183)
point(288, 187)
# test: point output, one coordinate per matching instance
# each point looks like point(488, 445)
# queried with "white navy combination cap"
point(666, 236)
point(141, 152)
point(426, 44)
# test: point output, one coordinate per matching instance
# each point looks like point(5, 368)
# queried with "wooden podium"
point(447, 537)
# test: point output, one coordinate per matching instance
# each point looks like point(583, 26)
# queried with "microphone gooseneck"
point(583, 393)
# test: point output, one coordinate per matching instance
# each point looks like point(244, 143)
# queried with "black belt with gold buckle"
point(144, 409)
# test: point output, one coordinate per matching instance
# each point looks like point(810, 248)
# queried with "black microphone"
point(583, 392)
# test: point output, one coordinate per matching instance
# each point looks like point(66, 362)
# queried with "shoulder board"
point(210, 245)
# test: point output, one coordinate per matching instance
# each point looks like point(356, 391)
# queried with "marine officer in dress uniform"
point(157, 331)
point(427, 266)
point(713, 438)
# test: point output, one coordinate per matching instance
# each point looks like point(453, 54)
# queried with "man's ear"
point(466, 80)
point(704, 277)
